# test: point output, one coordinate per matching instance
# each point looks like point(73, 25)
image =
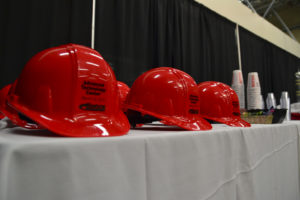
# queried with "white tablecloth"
point(152, 163)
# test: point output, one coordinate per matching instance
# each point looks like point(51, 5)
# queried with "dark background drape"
point(276, 67)
point(135, 36)
point(27, 27)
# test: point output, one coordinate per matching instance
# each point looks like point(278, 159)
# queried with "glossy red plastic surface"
point(220, 103)
point(72, 91)
point(123, 91)
point(11, 113)
point(3, 94)
point(170, 95)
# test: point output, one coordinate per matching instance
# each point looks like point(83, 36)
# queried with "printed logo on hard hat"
point(194, 107)
point(93, 88)
point(235, 104)
point(92, 107)
point(92, 98)
point(236, 108)
point(194, 99)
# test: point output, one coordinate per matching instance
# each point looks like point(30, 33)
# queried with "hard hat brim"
point(12, 114)
point(1, 115)
point(80, 125)
point(230, 121)
point(193, 125)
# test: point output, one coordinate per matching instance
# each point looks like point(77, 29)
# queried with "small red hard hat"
point(220, 103)
point(3, 94)
point(123, 91)
point(72, 91)
point(11, 113)
point(168, 94)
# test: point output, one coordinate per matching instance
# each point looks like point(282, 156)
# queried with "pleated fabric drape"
point(135, 36)
point(27, 27)
point(275, 66)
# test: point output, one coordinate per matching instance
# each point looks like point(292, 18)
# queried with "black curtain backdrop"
point(276, 67)
point(135, 36)
point(27, 27)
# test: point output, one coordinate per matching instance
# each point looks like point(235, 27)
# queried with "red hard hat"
point(11, 113)
point(72, 91)
point(3, 94)
point(220, 103)
point(123, 91)
point(167, 94)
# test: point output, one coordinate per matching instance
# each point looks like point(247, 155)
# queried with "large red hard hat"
point(220, 103)
point(72, 91)
point(167, 94)
point(11, 113)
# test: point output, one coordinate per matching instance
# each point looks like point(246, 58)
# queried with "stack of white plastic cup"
point(238, 86)
point(285, 104)
point(262, 105)
point(271, 101)
point(254, 98)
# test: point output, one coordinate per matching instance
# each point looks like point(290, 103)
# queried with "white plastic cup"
point(254, 98)
point(253, 80)
point(238, 86)
point(262, 103)
point(271, 101)
point(254, 102)
point(239, 90)
point(284, 94)
point(253, 91)
point(237, 77)
point(285, 103)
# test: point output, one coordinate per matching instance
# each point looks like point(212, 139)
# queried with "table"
point(152, 163)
